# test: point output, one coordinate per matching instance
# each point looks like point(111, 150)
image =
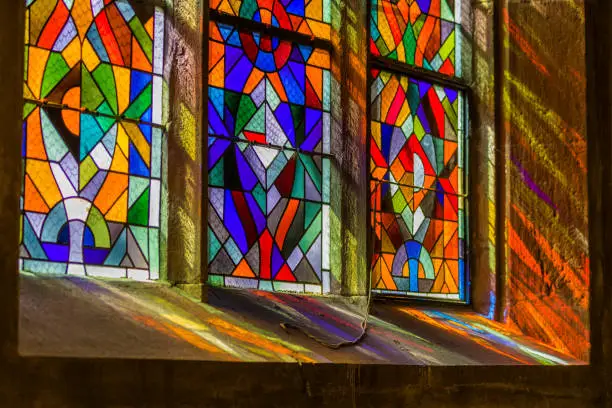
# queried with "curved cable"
point(364, 323)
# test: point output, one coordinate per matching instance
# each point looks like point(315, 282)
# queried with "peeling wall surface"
point(544, 97)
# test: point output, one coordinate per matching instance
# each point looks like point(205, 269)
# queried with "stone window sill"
point(93, 318)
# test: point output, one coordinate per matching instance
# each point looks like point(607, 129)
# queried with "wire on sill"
point(364, 323)
point(335, 346)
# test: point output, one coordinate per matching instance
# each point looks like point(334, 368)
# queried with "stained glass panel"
point(267, 90)
point(92, 141)
point(422, 33)
point(268, 168)
point(310, 17)
point(266, 216)
point(416, 168)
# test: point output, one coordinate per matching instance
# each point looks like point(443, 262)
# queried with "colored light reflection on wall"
point(548, 224)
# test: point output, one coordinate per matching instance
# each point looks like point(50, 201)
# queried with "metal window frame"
point(435, 78)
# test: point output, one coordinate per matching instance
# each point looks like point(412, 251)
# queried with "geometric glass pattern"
point(268, 164)
point(421, 33)
point(92, 146)
point(307, 17)
point(267, 90)
point(416, 185)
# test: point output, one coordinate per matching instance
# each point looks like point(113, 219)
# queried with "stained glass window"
point(268, 156)
point(92, 146)
point(417, 200)
point(416, 149)
point(422, 33)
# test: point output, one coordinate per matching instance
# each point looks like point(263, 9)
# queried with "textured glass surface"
point(92, 157)
point(422, 33)
point(267, 90)
point(268, 179)
point(310, 17)
point(416, 162)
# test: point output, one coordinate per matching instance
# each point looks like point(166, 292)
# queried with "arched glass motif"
point(417, 149)
point(92, 145)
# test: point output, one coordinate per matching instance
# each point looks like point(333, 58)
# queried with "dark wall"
point(107, 383)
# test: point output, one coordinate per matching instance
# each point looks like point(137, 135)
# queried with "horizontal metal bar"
point(418, 73)
point(377, 180)
point(118, 118)
point(243, 24)
point(275, 147)
point(304, 200)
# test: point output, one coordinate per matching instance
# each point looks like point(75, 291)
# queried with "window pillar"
point(349, 242)
point(482, 164)
point(185, 218)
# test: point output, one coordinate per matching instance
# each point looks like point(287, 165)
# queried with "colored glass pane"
point(266, 216)
point(267, 90)
point(92, 156)
point(268, 174)
point(422, 33)
point(307, 17)
point(416, 162)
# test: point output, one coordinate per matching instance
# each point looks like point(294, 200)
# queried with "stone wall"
point(545, 122)
point(186, 199)
point(482, 158)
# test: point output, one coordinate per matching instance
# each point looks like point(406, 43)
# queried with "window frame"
point(243, 24)
point(435, 78)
